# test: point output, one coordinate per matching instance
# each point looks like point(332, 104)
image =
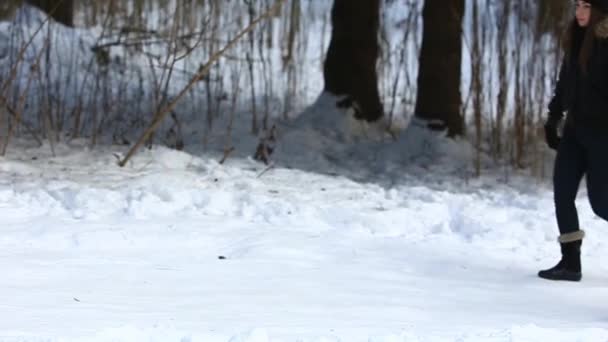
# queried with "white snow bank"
point(176, 247)
point(527, 333)
point(328, 138)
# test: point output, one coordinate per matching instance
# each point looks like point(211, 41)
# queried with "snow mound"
point(334, 141)
point(525, 333)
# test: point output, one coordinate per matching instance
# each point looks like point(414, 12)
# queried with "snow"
point(177, 247)
point(354, 232)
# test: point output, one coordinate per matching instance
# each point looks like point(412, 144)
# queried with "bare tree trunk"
point(60, 10)
point(503, 78)
point(552, 17)
point(350, 66)
point(477, 85)
point(439, 99)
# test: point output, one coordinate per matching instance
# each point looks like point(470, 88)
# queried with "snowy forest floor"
point(342, 239)
point(176, 247)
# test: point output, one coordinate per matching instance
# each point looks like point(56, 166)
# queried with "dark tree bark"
point(553, 17)
point(350, 66)
point(60, 10)
point(7, 8)
point(439, 99)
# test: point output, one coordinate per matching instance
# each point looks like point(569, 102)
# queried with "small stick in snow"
point(226, 154)
point(203, 71)
point(265, 170)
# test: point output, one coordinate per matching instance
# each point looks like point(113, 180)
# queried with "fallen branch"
point(227, 154)
point(268, 168)
point(203, 71)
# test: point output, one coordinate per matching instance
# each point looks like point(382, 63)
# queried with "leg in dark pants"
point(596, 144)
point(570, 166)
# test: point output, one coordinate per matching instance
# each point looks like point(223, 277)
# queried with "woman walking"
point(582, 92)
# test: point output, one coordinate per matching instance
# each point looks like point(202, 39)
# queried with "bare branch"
point(203, 71)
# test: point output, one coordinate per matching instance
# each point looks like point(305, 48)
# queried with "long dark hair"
point(584, 44)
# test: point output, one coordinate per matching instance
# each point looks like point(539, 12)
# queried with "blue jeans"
point(583, 151)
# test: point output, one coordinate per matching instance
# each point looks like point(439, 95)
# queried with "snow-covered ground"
point(345, 237)
point(176, 247)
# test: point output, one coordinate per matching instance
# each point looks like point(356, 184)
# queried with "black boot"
point(569, 268)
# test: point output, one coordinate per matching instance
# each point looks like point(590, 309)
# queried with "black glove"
point(551, 136)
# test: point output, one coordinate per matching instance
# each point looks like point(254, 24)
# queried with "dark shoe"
point(560, 272)
point(569, 267)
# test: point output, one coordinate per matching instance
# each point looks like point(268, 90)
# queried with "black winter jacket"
point(584, 95)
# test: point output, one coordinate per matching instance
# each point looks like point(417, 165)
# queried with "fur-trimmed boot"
point(569, 267)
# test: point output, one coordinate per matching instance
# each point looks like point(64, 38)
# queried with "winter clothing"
point(584, 95)
point(602, 5)
point(551, 135)
point(582, 149)
point(571, 237)
point(569, 267)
